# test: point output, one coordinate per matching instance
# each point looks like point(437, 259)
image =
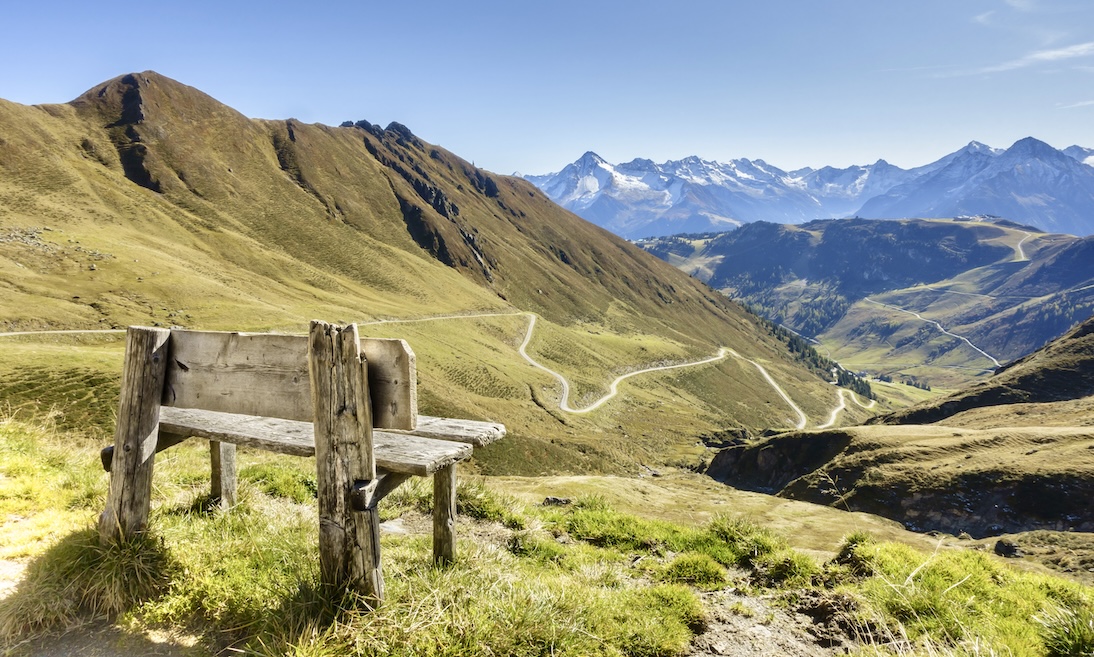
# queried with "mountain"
point(1061, 371)
point(869, 292)
point(1013, 453)
point(145, 201)
point(1084, 155)
point(1030, 183)
point(641, 198)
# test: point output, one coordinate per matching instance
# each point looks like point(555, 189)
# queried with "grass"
point(470, 367)
point(585, 578)
point(962, 601)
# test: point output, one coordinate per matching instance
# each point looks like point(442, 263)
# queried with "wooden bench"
point(321, 396)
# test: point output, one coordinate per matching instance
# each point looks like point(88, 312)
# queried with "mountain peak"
point(1031, 147)
point(591, 158)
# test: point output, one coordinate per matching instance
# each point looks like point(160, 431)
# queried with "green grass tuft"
point(281, 480)
point(699, 570)
point(1067, 632)
point(78, 579)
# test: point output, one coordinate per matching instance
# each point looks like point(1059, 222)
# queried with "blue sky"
point(529, 86)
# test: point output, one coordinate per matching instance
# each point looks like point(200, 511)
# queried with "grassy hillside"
point(856, 286)
point(622, 569)
point(1012, 453)
point(145, 201)
point(1061, 371)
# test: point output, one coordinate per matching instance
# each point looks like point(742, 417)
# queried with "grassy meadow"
point(623, 569)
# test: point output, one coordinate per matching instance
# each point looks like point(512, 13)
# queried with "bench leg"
point(222, 459)
point(127, 502)
point(444, 515)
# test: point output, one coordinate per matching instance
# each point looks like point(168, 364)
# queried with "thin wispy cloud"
point(984, 18)
point(1039, 57)
point(1085, 103)
point(1022, 5)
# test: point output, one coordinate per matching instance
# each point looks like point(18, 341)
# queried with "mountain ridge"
point(1029, 182)
point(145, 201)
point(902, 298)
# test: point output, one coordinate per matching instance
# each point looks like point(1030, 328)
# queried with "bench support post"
point(222, 460)
point(349, 540)
point(444, 515)
point(135, 436)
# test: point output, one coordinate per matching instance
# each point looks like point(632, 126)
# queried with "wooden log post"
point(349, 540)
point(444, 515)
point(222, 459)
point(135, 435)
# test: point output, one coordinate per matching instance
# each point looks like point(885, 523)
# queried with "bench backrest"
point(267, 375)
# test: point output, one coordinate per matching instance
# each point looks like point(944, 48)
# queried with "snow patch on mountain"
point(1030, 182)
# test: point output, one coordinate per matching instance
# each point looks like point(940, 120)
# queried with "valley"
point(935, 302)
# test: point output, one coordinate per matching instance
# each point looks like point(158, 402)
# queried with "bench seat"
point(434, 444)
point(405, 453)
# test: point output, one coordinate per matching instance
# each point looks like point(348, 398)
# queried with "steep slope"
point(1062, 370)
point(146, 201)
point(1013, 453)
point(1084, 155)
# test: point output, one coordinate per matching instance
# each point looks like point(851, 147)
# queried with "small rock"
point(1007, 548)
point(556, 501)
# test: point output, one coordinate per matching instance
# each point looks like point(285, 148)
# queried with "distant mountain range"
point(1030, 182)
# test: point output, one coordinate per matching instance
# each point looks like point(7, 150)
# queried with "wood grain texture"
point(135, 435)
point(444, 515)
point(393, 452)
point(224, 482)
point(254, 374)
point(349, 541)
point(267, 374)
point(472, 432)
point(392, 383)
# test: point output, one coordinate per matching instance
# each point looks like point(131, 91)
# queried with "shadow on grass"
point(79, 581)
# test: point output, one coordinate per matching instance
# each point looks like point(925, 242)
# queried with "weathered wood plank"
point(444, 515)
point(249, 373)
point(135, 435)
point(224, 481)
point(392, 383)
point(349, 541)
point(472, 432)
point(267, 374)
point(393, 452)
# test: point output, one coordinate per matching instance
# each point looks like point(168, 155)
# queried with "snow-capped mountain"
point(1030, 182)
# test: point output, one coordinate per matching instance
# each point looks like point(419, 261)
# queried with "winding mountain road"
point(564, 403)
point(613, 388)
point(1019, 252)
point(939, 326)
point(843, 393)
point(802, 419)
